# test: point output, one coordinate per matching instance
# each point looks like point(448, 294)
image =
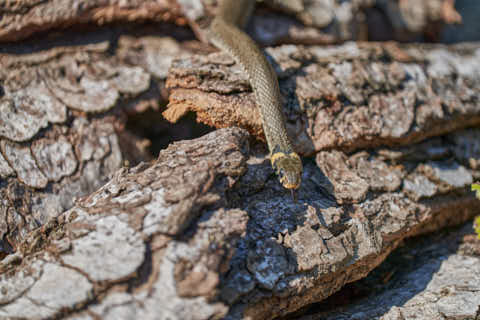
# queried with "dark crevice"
point(144, 272)
point(152, 126)
point(91, 33)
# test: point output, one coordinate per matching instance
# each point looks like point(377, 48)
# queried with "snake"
point(225, 33)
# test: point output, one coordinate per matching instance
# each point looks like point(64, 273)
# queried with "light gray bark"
point(434, 277)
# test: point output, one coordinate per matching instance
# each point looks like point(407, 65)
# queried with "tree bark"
point(61, 132)
point(206, 231)
point(307, 22)
point(432, 277)
point(346, 97)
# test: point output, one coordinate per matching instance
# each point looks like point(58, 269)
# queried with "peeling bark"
point(307, 22)
point(347, 97)
point(21, 19)
point(53, 149)
point(208, 231)
point(430, 278)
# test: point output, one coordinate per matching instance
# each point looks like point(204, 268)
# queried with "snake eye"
point(281, 176)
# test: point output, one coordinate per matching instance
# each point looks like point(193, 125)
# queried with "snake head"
point(288, 167)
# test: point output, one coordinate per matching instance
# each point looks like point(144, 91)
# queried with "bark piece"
point(115, 263)
point(196, 232)
point(321, 24)
point(19, 121)
point(368, 102)
point(55, 158)
point(40, 92)
point(50, 153)
point(22, 161)
point(46, 183)
point(55, 287)
point(378, 175)
point(153, 54)
point(327, 22)
point(5, 169)
point(318, 22)
point(448, 174)
point(347, 185)
point(308, 248)
point(430, 278)
point(267, 263)
point(90, 95)
point(419, 186)
point(23, 18)
point(102, 239)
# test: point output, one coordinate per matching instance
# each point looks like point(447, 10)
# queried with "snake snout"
point(288, 168)
point(289, 179)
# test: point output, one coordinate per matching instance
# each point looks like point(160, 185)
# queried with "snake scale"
point(224, 32)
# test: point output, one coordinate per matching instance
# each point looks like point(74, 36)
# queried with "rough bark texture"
point(207, 231)
point(436, 277)
point(21, 19)
point(130, 243)
point(322, 21)
point(61, 132)
point(326, 22)
point(345, 97)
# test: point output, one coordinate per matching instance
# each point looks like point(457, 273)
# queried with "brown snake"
point(224, 32)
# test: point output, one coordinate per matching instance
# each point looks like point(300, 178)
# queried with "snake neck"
point(225, 34)
point(261, 76)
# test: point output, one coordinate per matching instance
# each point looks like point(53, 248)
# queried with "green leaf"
point(476, 223)
point(476, 188)
point(476, 226)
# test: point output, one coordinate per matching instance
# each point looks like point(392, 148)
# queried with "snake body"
point(225, 33)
